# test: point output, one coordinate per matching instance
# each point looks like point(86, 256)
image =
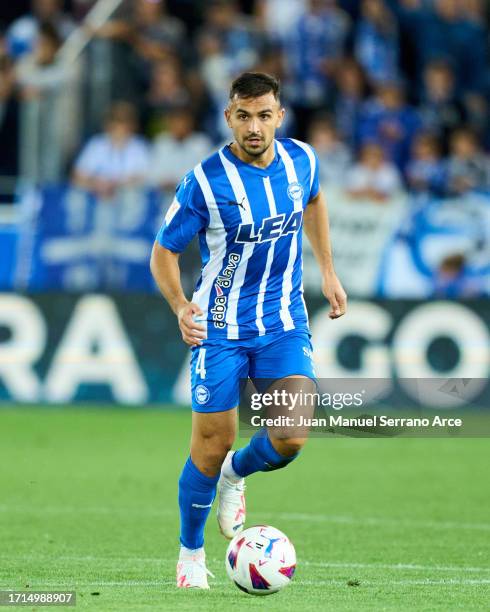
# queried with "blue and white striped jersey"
point(249, 221)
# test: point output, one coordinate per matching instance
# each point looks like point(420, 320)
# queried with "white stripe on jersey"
point(216, 241)
point(239, 278)
point(303, 297)
point(307, 149)
point(287, 284)
point(270, 256)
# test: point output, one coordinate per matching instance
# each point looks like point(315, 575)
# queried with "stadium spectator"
point(118, 27)
point(468, 167)
point(334, 156)
point(215, 66)
point(216, 69)
point(314, 48)
point(349, 96)
point(445, 33)
point(440, 111)
point(276, 17)
point(178, 150)
point(228, 42)
point(80, 8)
point(474, 68)
point(476, 114)
point(167, 90)
point(272, 62)
point(475, 12)
point(38, 72)
point(389, 120)
point(114, 159)
point(48, 90)
point(8, 114)
point(373, 178)
point(453, 279)
point(155, 35)
point(240, 39)
point(376, 42)
point(23, 33)
point(426, 171)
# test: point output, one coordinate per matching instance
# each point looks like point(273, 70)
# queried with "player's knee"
point(218, 441)
point(210, 451)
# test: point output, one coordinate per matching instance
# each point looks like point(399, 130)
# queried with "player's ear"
point(228, 117)
point(280, 117)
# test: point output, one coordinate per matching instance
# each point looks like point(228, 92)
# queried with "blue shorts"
point(218, 365)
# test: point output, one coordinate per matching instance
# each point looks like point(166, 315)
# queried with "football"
point(260, 560)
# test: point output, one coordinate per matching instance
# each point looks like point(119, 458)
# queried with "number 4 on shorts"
point(200, 367)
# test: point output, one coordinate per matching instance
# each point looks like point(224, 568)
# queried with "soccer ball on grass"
point(260, 560)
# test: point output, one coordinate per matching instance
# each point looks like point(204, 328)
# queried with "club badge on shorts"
point(202, 394)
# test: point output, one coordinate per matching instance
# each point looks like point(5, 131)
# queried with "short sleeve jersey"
point(249, 222)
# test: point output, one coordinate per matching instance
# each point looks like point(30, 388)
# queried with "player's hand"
point(192, 333)
point(335, 294)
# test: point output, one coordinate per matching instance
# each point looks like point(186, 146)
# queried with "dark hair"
point(323, 118)
point(429, 139)
point(254, 85)
point(49, 31)
point(465, 132)
point(122, 111)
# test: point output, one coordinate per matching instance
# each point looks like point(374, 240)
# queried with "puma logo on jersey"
point(270, 228)
point(233, 203)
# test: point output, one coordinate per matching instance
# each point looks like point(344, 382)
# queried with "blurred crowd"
point(393, 94)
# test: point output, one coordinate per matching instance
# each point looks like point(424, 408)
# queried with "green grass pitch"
point(88, 503)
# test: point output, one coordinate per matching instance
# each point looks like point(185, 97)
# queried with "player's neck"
point(262, 161)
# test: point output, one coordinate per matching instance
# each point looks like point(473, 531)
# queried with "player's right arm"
point(164, 266)
point(186, 216)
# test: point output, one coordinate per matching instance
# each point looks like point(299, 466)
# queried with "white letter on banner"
point(367, 320)
point(25, 346)
point(428, 322)
point(95, 324)
point(412, 340)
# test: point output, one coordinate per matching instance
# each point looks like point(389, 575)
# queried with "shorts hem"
point(309, 375)
point(204, 410)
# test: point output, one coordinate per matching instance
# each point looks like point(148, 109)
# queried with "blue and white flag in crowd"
point(71, 240)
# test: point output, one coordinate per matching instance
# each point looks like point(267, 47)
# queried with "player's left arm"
point(315, 223)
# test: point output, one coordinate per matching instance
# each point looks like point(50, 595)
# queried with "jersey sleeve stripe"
point(216, 242)
point(307, 149)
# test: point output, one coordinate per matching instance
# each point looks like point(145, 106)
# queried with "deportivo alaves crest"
point(270, 228)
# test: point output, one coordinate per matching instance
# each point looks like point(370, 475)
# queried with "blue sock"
point(196, 495)
point(259, 456)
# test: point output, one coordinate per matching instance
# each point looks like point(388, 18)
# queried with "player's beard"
point(255, 151)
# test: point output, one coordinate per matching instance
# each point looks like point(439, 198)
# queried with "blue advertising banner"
point(8, 249)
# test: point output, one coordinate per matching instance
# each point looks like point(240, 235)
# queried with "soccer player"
point(247, 203)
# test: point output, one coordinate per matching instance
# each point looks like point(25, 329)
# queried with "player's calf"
point(212, 437)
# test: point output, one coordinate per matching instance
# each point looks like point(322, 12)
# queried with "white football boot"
point(231, 500)
point(192, 572)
